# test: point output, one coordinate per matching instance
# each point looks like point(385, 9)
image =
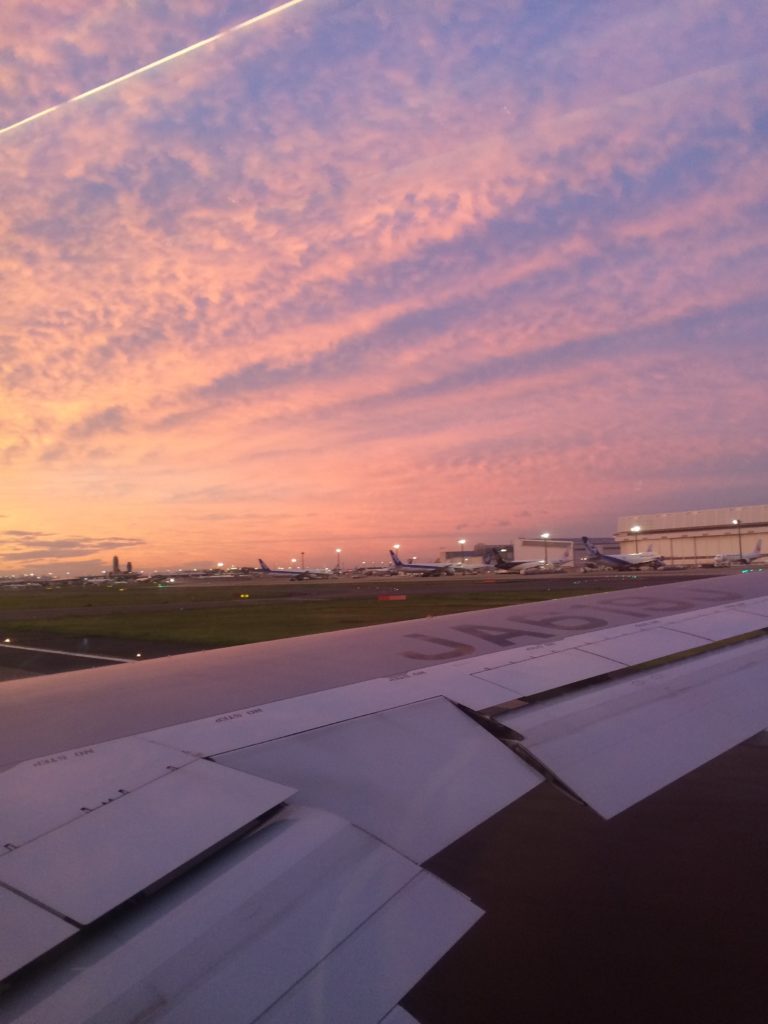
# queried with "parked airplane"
point(422, 568)
point(296, 574)
point(468, 570)
point(737, 559)
point(495, 557)
point(526, 566)
point(558, 565)
point(257, 864)
point(632, 561)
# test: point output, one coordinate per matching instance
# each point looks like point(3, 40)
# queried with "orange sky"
point(366, 273)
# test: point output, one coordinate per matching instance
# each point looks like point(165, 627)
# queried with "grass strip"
point(244, 621)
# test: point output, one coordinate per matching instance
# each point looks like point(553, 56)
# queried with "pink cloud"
point(337, 285)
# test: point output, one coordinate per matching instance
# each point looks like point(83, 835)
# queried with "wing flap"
point(266, 924)
point(417, 777)
point(535, 670)
point(405, 939)
point(720, 623)
point(549, 670)
point(639, 645)
point(28, 930)
point(41, 795)
point(89, 866)
point(618, 742)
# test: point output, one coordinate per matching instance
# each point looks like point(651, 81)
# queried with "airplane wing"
point(240, 835)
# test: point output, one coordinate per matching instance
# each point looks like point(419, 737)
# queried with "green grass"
point(236, 620)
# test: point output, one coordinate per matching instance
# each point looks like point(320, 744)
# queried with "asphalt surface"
point(657, 915)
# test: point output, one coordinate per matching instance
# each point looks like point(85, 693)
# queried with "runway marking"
point(69, 654)
point(154, 64)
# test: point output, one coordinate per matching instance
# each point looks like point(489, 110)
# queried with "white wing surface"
point(240, 835)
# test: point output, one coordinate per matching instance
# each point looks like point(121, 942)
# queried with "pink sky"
point(371, 273)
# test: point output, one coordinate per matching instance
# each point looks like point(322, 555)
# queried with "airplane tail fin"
point(757, 552)
point(395, 557)
point(589, 546)
point(264, 566)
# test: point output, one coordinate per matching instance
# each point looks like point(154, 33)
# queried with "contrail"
point(155, 64)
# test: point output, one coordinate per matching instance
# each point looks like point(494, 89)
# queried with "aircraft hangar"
point(695, 537)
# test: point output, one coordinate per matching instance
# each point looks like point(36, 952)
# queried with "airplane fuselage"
point(295, 574)
point(639, 560)
point(426, 569)
point(422, 568)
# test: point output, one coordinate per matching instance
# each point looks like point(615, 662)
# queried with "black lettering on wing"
point(455, 649)
point(571, 623)
point(503, 636)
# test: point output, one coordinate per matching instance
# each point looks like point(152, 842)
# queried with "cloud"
point(32, 549)
point(59, 53)
point(107, 420)
point(312, 266)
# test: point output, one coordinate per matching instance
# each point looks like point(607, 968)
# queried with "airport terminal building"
point(684, 539)
point(695, 538)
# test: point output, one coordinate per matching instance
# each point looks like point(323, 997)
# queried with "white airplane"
point(495, 558)
point(240, 835)
point(296, 574)
point(631, 561)
point(737, 559)
point(525, 567)
point(422, 568)
point(558, 565)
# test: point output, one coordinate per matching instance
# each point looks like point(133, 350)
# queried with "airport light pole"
point(737, 524)
point(338, 559)
point(636, 530)
point(545, 537)
point(461, 543)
